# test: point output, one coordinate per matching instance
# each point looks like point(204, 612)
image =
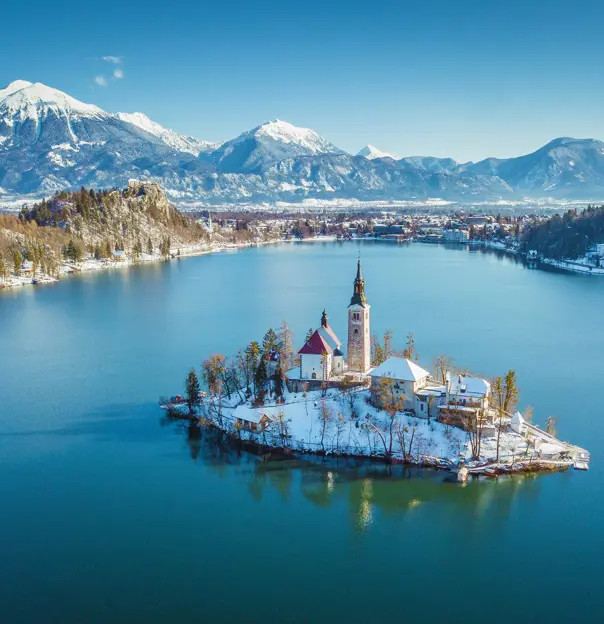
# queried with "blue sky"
point(465, 79)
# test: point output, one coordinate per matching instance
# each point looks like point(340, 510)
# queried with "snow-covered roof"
point(400, 368)
point(469, 386)
point(249, 414)
point(329, 336)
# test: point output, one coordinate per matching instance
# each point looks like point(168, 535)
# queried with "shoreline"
point(90, 265)
point(295, 427)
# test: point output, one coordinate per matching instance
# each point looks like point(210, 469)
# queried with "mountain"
point(370, 152)
point(254, 150)
point(430, 163)
point(565, 167)
point(178, 142)
point(50, 141)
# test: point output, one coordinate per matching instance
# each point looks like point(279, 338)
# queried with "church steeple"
point(324, 319)
point(358, 297)
point(359, 333)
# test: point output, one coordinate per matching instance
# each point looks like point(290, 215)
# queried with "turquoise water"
point(110, 514)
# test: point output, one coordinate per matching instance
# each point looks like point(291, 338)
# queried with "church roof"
point(316, 345)
point(401, 369)
point(329, 336)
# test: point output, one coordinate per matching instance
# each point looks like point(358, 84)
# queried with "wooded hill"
point(569, 235)
point(138, 219)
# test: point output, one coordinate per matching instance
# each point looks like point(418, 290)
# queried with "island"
point(372, 403)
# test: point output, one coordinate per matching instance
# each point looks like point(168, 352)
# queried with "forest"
point(569, 235)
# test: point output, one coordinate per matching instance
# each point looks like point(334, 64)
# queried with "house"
point(27, 267)
point(407, 379)
point(466, 396)
point(251, 419)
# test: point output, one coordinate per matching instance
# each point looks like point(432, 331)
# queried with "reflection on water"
point(371, 490)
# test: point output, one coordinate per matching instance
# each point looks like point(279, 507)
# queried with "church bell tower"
point(359, 335)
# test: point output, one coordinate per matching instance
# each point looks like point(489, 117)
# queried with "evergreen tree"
point(279, 383)
point(309, 334)
point(261, 377)
point(252, 355)
point(192, 390)
point(270, 342)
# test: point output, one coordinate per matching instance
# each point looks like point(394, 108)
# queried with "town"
point(370, 402)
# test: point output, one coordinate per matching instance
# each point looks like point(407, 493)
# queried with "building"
point(359, 335)
point(456, 236)
point(322, 359)
point(251, 419)
point(321, 356)
point(407, 379)
point(466, 394)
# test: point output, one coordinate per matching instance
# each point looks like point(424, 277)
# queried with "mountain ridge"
point(50, 141)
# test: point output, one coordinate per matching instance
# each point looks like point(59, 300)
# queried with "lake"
point(108, 513)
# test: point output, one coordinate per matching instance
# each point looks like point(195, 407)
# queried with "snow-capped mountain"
point(268, 143)
point(370, 152)
point(564, 167)
point(430, 163)
point(179, 142)
point(50, 141)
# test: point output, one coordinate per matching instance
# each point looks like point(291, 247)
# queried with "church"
point(322, 358)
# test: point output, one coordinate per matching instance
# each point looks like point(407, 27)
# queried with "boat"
point(579, 465)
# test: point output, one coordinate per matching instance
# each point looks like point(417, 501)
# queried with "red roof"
point(316, 345)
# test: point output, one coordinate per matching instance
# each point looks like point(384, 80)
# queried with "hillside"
point(570, 235)
point(72, 225)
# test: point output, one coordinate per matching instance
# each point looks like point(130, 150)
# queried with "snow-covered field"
point(341, 423)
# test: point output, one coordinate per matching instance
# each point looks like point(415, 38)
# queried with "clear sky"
point(466, 79)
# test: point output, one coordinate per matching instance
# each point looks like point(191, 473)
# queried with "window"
point(356, 331)
point(314, 375)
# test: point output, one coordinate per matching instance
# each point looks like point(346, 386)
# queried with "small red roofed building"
point(321, 356)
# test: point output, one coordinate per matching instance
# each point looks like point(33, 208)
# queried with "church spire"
point(324, 318)
point(358, 297)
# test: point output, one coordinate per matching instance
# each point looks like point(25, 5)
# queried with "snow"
point(300, 420)
point(286, 132)
point(469, 386)
point(171, 138)
point(28, 99)
point(370, 152)
point(400, 368)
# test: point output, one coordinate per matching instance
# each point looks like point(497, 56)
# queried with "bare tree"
point(391, 402)
point(325, 420)
point(442, 364)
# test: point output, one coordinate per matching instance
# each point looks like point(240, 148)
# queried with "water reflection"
point(370, 491)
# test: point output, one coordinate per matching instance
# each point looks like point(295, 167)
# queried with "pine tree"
point(309, 334)
point(252, 354)
point(270, 342)
point(261, 376)
point(192, 390)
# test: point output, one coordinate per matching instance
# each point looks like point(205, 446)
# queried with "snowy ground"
point(298, 424)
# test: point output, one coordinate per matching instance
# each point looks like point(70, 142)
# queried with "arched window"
point(314, 375)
